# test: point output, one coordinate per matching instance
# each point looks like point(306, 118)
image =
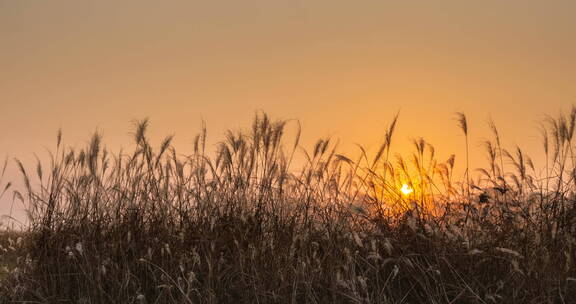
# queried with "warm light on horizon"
point(406, 190)
point(340, 69)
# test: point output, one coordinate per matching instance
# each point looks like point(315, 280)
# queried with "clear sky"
point(343, 68)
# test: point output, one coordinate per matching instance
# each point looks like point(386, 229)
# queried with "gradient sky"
point(343, 68)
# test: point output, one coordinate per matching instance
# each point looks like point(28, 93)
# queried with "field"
point(245, 226)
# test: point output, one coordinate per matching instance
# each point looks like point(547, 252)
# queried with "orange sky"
point(342, 67)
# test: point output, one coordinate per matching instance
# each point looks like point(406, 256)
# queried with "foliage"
point(244, 226)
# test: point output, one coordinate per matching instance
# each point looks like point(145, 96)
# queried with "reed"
point(246, 225)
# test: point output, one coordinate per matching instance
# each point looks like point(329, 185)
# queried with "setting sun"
point(406, 190)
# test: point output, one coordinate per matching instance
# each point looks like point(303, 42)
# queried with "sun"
point(406, 190)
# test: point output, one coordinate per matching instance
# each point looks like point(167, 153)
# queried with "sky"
point(342, 68)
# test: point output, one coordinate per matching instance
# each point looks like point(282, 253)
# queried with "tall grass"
point(245, 225)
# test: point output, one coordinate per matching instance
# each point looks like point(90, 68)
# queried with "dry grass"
point(243, 226)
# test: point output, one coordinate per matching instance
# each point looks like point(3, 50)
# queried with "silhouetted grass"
point(245, 226)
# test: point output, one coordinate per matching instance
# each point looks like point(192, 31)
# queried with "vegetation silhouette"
point(244, 226)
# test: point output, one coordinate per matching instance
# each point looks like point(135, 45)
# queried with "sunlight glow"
point(406, 190)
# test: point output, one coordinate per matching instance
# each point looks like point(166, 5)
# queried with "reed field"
point(248, 225)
